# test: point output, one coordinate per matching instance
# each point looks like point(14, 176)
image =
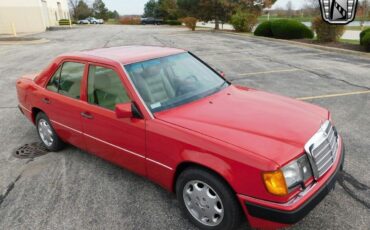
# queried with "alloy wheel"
point(203, 203)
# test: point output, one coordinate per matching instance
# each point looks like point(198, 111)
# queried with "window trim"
point(151, 115)
point(60, 65)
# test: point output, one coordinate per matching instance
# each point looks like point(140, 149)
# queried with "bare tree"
point(73, 7)
point(289, 8)
point(365, 11)
point(313, 7)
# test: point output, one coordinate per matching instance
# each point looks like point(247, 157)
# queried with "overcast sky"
point(297, 4)
point(137, 6)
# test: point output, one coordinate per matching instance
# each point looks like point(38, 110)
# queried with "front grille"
point(322, 149)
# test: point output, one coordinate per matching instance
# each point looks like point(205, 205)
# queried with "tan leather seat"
point(153, 84)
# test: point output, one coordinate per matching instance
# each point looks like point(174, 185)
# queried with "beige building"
point(29, 16)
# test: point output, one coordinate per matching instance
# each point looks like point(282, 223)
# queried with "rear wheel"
point(207, 200)
point(47, 134)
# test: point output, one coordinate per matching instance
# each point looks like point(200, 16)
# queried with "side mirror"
point(123, 110)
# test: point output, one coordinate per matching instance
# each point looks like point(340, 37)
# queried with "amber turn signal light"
point(275, 183)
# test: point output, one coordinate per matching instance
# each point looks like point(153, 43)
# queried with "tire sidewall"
point(231, 207)
point(57, 143)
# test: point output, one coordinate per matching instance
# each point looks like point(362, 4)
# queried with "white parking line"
point(291, 70)
point(279, 71)
point(334, 95)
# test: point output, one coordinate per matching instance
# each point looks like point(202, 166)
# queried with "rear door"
point(121, 141)
point(62, 102)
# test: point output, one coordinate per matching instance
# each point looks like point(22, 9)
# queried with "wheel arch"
point(183, 166)
point(35, 111)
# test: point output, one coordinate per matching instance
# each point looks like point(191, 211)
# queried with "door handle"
point(46, 100)
point(87, 115)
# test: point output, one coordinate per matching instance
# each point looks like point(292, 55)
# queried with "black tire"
point(232, 216)
point(57, 144)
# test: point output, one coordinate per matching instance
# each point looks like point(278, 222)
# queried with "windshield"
point(172, 81)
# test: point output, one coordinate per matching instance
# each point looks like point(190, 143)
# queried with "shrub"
point(130, 20)
point(362, 34)
point(366, 41)
point(173, 22)
point(326, 32)
point(243, 21)
point(190, 22)
point(290, 29)
point(64, 22)
point(264, 29)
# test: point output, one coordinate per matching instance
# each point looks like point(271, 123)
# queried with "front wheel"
point(47, 134)
point(207, 200)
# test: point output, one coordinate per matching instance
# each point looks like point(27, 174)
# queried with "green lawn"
point(354, 42)
point(112, 21)
point(356, 28)
point(301, 19)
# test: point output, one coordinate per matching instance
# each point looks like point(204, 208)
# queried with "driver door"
point(121, 141)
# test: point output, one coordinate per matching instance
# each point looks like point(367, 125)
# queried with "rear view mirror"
point(123, 110)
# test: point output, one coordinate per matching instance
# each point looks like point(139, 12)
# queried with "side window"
point(105, 88)
point(53, 84)
point(70, 79)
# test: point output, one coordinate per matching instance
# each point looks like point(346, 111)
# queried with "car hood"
point(269, 125)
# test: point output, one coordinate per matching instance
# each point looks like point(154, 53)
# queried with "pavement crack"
point(9, 189)
point(336, 79)
point(358, 191)
point(321, 75)
point(111, 39)
point(163, 42)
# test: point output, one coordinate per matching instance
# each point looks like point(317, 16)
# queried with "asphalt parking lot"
point(74, 190)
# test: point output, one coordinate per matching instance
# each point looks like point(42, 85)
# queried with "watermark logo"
point(338, 11)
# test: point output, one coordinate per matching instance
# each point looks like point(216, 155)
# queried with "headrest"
point(152, 70)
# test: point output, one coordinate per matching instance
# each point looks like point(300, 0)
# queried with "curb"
point(34, 42)
point(326, 48)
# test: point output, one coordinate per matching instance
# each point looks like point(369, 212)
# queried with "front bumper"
point(264, 215)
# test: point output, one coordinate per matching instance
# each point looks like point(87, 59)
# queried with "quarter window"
point(53, 84)
point(105, 88)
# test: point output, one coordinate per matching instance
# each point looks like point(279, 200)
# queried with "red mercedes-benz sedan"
point(163, 113)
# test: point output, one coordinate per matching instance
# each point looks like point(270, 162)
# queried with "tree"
point(207, 10)
point(168, 9)
point(255, 6)
point(188, 8)
point(99, 10)
point(73, 7)
point(289, 8)
point(113, 14)
point(365, 11)
point(165, 9)
point(150, 8)
point(312, 7)
point(218, 10)
point(80, 9)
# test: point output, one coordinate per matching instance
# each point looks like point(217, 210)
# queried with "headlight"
point(281, 182)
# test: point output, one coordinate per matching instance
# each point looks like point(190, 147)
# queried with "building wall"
point(30, 16)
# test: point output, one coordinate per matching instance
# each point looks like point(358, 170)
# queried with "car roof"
point(129, 54)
